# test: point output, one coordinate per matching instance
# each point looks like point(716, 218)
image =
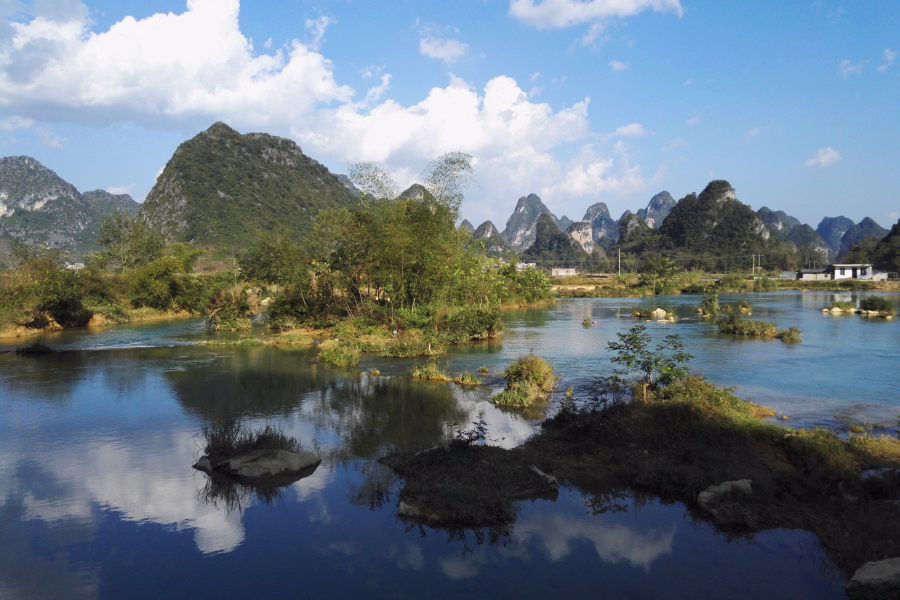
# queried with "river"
point(98, 498)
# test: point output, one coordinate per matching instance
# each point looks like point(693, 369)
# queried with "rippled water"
point(97, 497)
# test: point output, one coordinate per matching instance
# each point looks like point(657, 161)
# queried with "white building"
point(558, 272)
point(522, 266)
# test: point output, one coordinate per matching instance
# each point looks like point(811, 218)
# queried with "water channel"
point(98, 498)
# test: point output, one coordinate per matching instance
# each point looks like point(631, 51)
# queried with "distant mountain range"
point(221, 188)
point(38, 207)
point(597, 229)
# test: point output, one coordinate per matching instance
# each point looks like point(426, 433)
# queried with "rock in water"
point(709, 497)
point(881, 575)
point(260, 464)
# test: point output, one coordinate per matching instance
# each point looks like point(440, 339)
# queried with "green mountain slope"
point(553, 248)
point(38, 207)
point(867, 228)
point(832, 229)
point(884, 254)
point(778, 221)
point(221, 188)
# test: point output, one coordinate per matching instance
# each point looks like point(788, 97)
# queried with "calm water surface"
point(98, 500)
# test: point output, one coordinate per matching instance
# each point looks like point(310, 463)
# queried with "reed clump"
point(233, 438)
point(467, 379)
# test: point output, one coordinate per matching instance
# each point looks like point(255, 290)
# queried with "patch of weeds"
point(842, 305)
point(292, 339)
point(586, 322)
point(233, 438)
point(878, 304)
point(641, 312)
point(467, 379)
point(791, 335)
point(735, 325)
point(243, 343)
point(483, 370)
point(339, 355)
point(430, 371)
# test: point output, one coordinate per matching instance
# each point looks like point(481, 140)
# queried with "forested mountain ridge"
point(865, 229)
point(222, 188)
point(38, 207)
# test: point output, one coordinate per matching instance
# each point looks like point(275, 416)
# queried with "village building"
point(837, 272)
point(559, 272)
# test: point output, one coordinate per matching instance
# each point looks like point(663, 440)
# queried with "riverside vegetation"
point(391, 275)
point(687, 436)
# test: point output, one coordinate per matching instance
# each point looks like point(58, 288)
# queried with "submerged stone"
point(884, 574)
point(260, 464)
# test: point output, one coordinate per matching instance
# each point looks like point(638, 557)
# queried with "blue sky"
point(797, 104)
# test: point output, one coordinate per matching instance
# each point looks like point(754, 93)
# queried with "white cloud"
point(121, 189)
point(889, 56)
point(632, 130)
point(848, 68)
point(824, 157)
point(189, 69)
point(315, 27)
point(267, 43)
point(165, 68)
point(618, 65)
point(754, 132)
point(688, 82)
point(12, 123)
point(534, 76)
point(692, 121)
point(50, 139)
point(589, 174)
point(445, 49)
point(893, 215)
point(554, 14)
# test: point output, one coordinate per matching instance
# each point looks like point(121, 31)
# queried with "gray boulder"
point(881, 575)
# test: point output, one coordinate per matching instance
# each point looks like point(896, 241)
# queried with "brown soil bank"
point(683, 440)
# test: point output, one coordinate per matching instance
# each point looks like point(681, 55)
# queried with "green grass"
point(841, 304)
point(340, 355)
point(710, 306)
point(244, 343)
point(292, 339)
point(430, 371)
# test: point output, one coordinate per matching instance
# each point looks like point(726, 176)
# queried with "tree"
point(658, 267)
point(128, 243)
point(653, 366)
point(447, 176)
point(372, 181)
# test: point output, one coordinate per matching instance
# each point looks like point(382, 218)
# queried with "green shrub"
point(586, 322)
point(710, 305)
point(529, 380)
point(790, 335)
point(430, 371)
point(878, 303)
point(765, 284)
point(473, 323)
point(641, 312)
point(744, 305)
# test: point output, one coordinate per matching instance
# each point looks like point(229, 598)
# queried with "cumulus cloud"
point(555, 14)
point(824, 157)
point(692, 121)
point(12, 123)
point(889, 56)
point(632, 130)
point(848, 68)
point(445, 49)
point(189, 69)
point(618, 65)
point(120, 189)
